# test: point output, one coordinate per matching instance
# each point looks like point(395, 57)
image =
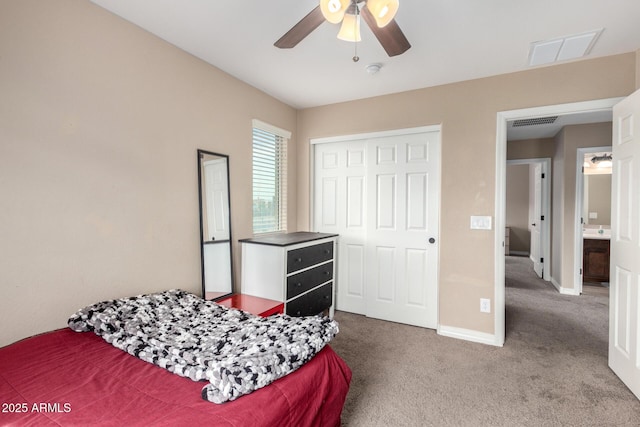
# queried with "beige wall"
point(517, 203)
point(99, 126)
point(539, 148)
point(467, 112)
point(564, 187)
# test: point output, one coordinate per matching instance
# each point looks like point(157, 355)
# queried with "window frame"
point(280, 157)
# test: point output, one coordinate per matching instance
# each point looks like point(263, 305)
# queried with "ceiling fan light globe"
point(333, 10)
point(350, 29)
point(383, 11)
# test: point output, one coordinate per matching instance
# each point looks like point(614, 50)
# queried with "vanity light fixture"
point(604, 161)
point(605, 164)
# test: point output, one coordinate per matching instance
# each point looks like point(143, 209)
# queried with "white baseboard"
point(518, 253)
point(567, 291)
point(563, 291)
point(469, 335)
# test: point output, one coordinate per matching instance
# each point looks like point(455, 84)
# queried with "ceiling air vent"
point(535, 121)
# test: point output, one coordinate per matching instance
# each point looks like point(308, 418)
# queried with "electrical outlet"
point(485, 305)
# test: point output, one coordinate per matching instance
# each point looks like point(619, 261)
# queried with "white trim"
point(500, 184)
point(470, 335)
point(564, 291)
point(545, 210)
point(500, 220)
point(569, 291)
point(283, 133)
point(520, 253)
point(560, 109)
point(381, 134)
point(579, 204)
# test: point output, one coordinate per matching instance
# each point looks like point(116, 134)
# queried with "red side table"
point(254, 305)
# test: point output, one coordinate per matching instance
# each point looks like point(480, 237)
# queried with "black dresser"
point(295, 268)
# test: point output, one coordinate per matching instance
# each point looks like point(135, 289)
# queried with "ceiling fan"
point(378, 14)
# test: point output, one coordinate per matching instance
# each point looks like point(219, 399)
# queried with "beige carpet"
point(552, 370)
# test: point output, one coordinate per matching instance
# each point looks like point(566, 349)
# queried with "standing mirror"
point(215, 225)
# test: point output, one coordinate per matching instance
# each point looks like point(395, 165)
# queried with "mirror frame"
point(200, 155)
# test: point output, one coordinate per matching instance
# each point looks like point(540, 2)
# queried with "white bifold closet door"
point(380, 193)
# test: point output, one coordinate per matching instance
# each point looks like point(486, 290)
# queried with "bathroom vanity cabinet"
point(595, 260)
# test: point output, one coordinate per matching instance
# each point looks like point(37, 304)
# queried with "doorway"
point(538, 206)
point(500, 199)
point(593, 212)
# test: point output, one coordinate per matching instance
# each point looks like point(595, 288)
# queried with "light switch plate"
point(480, 222)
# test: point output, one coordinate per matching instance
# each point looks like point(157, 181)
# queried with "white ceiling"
point(452, 40)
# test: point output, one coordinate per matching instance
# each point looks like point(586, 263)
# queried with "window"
point(269, 178)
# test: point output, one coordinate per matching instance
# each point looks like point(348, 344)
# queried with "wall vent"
point(535, 121)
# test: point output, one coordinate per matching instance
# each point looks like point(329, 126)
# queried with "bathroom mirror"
point(215, 225)
point(597, 200)
point(597, 189)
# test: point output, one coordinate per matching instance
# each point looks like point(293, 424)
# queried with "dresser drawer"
point(309, 279)
point(311, 303)
point(298, 259)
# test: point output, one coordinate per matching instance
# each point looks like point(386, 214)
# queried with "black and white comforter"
point(235, 351)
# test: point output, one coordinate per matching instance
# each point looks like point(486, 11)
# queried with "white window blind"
point(269, 179)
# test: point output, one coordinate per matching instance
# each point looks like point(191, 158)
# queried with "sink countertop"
point(596, 235)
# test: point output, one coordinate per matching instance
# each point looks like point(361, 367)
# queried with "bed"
point(66, 377)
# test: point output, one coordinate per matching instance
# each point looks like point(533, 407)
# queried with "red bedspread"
point(69, 378)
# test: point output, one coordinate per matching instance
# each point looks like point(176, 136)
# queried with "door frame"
point(502, 117)
point(578, 240)
point(545, 210)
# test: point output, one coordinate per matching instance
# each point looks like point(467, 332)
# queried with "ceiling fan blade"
point(301, 30)
point(390, 37)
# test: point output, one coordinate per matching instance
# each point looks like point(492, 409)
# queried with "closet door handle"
point(432, 240)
